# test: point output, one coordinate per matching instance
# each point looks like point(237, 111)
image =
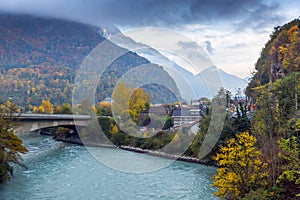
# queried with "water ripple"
point(63, 171)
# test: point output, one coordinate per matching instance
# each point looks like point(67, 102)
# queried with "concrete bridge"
point(33, 122)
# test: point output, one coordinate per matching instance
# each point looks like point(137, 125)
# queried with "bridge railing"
point(51, 116)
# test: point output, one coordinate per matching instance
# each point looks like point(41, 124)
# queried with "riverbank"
point(166, 155)
point(75, 139)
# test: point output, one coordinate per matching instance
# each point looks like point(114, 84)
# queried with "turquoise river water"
point(57, 170)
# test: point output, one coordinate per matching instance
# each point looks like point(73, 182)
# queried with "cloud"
point(238, 45)
point(260, 17)
point(187, 45)
point(238, 29)
point(146, 12)
point(209, 47)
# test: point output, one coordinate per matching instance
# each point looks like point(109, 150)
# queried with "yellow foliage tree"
point(293, 33)
point(41, 109)
point(48, 107)
point(241, 169)
point(130, 100)
point(36, 110)
point(45, 107)
point(114, 129)
point(57, 109)
point(94, 109)
point(104, 104)
point(10, 106)
point(138, 102)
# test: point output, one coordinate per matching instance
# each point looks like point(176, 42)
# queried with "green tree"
point(214, 130)
point(289, 179)
point(169, 123)
point(240, 123)
point(274, 119)
point(11, 146)
point(104, 109)
point(66, 108)
point(241, 168)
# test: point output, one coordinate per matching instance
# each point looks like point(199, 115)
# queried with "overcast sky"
point(232, 32)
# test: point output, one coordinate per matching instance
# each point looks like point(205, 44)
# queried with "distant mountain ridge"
point(191, 86)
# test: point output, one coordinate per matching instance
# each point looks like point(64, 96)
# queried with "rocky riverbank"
point(165, 155)
point(75, 139)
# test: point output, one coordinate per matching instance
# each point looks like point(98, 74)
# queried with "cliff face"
point(280, 56)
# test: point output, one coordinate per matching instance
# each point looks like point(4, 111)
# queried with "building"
point(148, 116)
point(183, 116)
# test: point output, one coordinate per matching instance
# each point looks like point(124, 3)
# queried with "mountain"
point(27, 41)
point(247, 79)
point(39, 59)
point(230, 82)
point(204, 84)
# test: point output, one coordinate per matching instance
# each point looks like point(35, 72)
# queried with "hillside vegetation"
point(259, 158)
point(280, 56)
point(39, 59)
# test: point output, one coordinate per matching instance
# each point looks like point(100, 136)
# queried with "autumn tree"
point(12, 106)
point(11, 147)
point(48, 107)
point(241, 168)
point(57, 109)
point(104, 109)
point(275, 90)
point(177, 105)
point(38, 109)
point(45, 108)
point(130, 100)
point(138, 102)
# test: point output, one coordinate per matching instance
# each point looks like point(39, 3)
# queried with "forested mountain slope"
point(39, 58)
point(280, 56)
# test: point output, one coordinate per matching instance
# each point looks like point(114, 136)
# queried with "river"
point(58, 170)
